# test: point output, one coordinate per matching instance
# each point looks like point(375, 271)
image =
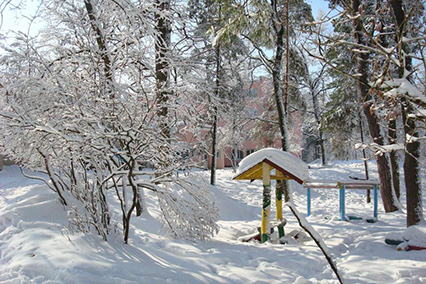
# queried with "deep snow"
point(37, 247)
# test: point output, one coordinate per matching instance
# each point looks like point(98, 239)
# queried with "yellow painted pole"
point(279, 199)
point(265, 229)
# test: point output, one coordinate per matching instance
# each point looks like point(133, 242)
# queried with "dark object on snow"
point(404, 246)
point(259, 229)
point(394, 239)
point(410, 247)
point(393, 242)
point(256, 236)
point(356, 178)
point(352, 217)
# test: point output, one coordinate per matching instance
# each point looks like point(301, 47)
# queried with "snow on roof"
point(289, 164)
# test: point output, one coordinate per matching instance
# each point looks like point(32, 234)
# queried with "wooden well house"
point(272, 164)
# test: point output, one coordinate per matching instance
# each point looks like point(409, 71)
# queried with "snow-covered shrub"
point(85, 113)
point(188, 210)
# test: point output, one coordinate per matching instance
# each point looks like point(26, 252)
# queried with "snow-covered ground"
point(37, 247)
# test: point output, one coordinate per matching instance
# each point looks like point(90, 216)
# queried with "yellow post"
point(279, 199)
point(265, 229)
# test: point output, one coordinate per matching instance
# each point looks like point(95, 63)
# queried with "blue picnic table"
point(342, 185)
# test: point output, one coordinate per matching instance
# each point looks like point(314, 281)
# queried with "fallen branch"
point(316, 237)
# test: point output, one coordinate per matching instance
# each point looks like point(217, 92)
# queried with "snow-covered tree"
point(266, 25)
point(80, 104)
point(383, 43)
point(347, 37)
point(315, 87)
point(224, 65)
point(409, 28)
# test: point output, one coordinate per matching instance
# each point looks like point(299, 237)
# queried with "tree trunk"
point(412, 170)
point(278, 94)
point(215, 108)
point(322, 148)
point(215, 119)
point(412, 149)
point(372, 120)
point(102, 45)
point(382, 162)
point(364, 156)
point(214, 149)
point(394, 158)
point(281, 92)
point(286, 145)
point(162, 80)
point(162, 68)
point(276, 80)
point(318, 121)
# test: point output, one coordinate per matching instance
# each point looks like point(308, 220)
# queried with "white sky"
point(13, 20)
point(318, 5)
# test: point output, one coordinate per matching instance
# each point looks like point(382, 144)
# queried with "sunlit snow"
point(37, 247)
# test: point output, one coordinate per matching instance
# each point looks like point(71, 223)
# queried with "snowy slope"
point(36, 247)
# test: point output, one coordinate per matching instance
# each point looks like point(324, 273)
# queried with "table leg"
point(309, 201)
point(342, 203)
